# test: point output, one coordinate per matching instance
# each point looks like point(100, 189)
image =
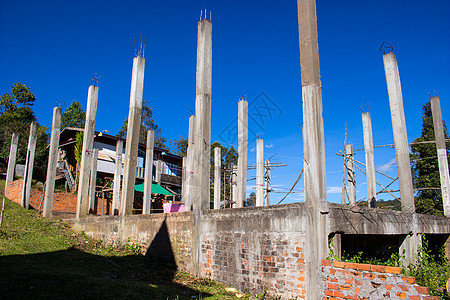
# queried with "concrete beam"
point(400, 134)
point(93, 179)
point(442, 153)
point(217, 169)
point(11, 160)
point(351, 174)
point(134, 123)
point(370, 160)
point(148, 177)
point(117, 177)
point(86, 156)
point(52, 163)
point(242, 152)
point(29, 162)
point(259, 172)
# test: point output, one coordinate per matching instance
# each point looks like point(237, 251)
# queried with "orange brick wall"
point(362, 281)
point(62, 202)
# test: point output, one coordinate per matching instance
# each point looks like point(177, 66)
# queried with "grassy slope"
point(44, 259)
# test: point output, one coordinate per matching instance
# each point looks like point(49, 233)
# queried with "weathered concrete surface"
point(148, 176)
point(370, 160)
point(267, 182)
point(259, 172)
point(217, 169)
point(242, 152)
point(442, 153)
point(11, 160)
point(190, 165)
point(29, 162)
point(93, 180)
point(351, 180)
point(52, 162)
point(131, 149)
point(117, 177)
point(86, 156)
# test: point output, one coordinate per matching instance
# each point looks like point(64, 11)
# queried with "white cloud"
point(252, 149)
point(270, 146)
point(388, 167)
point(334, 190)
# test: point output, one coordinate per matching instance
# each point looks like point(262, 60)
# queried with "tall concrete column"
point(351, 174)
point(370, 160)
point(259, 172)
point(158, 171)
point(234, 193)
point(131, 149)
point(442, 153)
point(183, 179)
point(190, 165)
point(202, 140)
point(242, 152)
point(217, 166)
point(400, 135)
point(316, 246)
point(52, 162)
point(267, 184)
point(147, 202)
point(86, 156)
point(29, 162)
point(117, 177)
point(93, 180)
point(11, 160)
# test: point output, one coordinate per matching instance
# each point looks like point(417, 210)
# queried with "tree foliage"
point(16, 117)
point(73, 116)
point(147, 123)
point(425, 167)
point(179, 146)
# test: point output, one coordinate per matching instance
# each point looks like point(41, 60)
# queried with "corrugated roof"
point(156, 189)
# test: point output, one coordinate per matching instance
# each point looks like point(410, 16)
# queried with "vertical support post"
point(370, 160)
point(242, 152)
point(86, 156)
point(93, 181)
point(351, 174)
point(29, 162)
point(158, 171)
point(400, 134)
point(234, 189)
point(442, 153)
point(190, 165)
point(52, 162)
point(267, 179)
point(316, 246)
point(117, 177)
point(217, 166)
point(202, 140)
point(183, 179)
point(11, 160)
point(147, 202)
point(131, 149)
point(259, 172)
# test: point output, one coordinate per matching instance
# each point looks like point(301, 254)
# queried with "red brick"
point(345, 287)
point(338, 264)
point(393, 270)
point(328, 293)
point(409, 279)
point(414, 297)
point(389, 286)
point(333, 286)
point(326, 262)
point(339, 294)
point(379, 269)
point(357, 290)
point(369, 275)
point(382, 277)
point(356, 273)
point(354, 297)
point(349, 281)
point(364, 267)
point(403, 287)
point(351, 266)
point(358, 282)
point(421, 290)
point(401, 295)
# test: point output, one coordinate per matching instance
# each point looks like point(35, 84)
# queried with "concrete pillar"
point(52, 162)
point(442, 153)
point(259, 172)
point(117, 177)
point(242, 152)
point(29, 162)
point(158, 171)
point(148, 177)
point(202, 140)
point(370, 160)
point(316, 246)
point(400, 135)
point(190, 165)
point(234, 193)
point(93, 179)
point(410, 243)
point(267, 179)
point(183, 179)
point(11, 160)
point(351, 174)
point(86, 156)
point(131, 149)
point(217, 166)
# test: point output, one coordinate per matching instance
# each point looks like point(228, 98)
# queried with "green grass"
point(45, 259)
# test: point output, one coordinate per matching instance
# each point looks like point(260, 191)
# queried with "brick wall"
point(362, 281)
point(62, 202)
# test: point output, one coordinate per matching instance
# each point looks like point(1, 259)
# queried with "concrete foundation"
point(28, 174)
point(370, 161)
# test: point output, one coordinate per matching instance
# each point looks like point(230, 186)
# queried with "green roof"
point(156, 189)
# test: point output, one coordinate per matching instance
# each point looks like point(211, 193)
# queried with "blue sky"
point(55, 47)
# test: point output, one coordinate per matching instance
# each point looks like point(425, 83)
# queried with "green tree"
point(179, 146)
point(16, 117)
point(73, 116)
point(425, 168)
point(147, 123)
point(251, 200)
